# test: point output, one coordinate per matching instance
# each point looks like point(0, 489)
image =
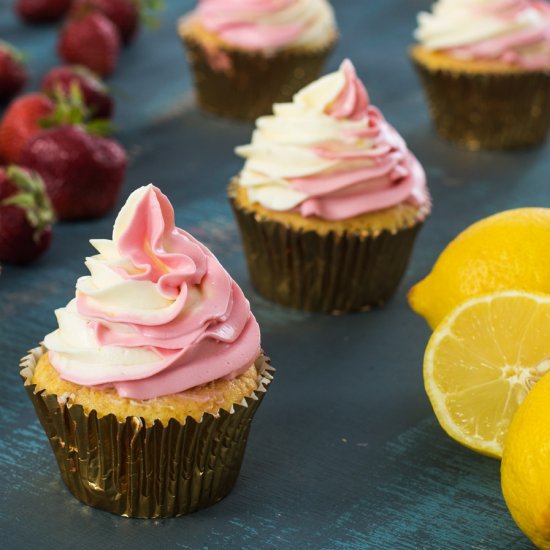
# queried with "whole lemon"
point(525, 468)
point(510, 250)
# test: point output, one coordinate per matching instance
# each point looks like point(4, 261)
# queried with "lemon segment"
point(482, 361)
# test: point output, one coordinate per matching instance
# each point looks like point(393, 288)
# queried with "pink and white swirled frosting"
point(157, 315)
point(330, 154)
point(515, 32)
point(268, 24)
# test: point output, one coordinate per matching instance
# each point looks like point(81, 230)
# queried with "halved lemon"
point(481, 362)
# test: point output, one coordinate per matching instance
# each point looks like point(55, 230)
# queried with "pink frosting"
point(528, 48)
point(375, 178)
point(209, 334)
point(231, 20)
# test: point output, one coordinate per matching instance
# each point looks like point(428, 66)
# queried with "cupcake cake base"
point(243, 84)
point(330, 267)
point(484, 105)
point(133, 468)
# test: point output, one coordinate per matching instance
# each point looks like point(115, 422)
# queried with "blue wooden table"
point(345, 451)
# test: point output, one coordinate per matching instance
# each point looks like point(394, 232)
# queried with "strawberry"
point(124, 14)
point(42, 11)
point(90, 40)
point(26, 216)
point(13, 75)
point(94, 92)
point(83, 173)
point(21, 121)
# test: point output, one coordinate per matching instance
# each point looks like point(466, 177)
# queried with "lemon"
point(525, 465)
point(505, 251)
point(481, 362)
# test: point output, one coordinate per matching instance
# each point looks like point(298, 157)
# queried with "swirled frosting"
point(268, 24)
point(330, 154)
point(157, 315)
point(515, 32)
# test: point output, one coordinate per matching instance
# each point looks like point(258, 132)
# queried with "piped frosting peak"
point(157, 315)
point(330, 154)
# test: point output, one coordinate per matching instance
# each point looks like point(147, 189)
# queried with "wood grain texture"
point(345, 451)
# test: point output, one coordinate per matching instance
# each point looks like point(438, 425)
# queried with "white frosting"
point(283, 144)
point(457, 23)
point(75, 340)
point(330, 154)
point(317, 16)
point(158, 314)
point(269, 24)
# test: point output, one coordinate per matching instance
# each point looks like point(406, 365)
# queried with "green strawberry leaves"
point(148, 10)
point(15, 54)
point(32, 198)
point(72, 111)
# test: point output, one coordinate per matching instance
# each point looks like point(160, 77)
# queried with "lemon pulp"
point(482, 361)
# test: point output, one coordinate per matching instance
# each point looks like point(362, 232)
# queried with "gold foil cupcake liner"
point(331, 273)
point(252, 82)
point(135, 470)
point(488, 111)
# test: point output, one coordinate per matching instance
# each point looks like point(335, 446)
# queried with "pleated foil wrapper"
point(331, 273)
point(488, 111)
point(254, 81)
point(140, 471)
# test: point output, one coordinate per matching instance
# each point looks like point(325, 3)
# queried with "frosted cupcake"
point(485, 67)
point(329, 201)
point(147, 389)
point(248, 54)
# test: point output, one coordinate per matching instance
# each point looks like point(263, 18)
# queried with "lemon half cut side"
point(482, 361)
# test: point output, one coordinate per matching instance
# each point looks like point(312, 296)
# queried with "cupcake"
point(485, 67)
point(329, 201)
point(248, 54)
point(148, 387)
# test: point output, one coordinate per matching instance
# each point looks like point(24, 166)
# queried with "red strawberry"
point(123, 13)
point(13, 75)
point(83, 173)
point(94, 92)
point(90, 40)
point(20, 122)
point(26, 216)
point(42, 11)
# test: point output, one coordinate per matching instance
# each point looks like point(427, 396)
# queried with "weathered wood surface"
point(345, 452)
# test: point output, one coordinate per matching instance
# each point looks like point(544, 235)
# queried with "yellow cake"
point(194, 403)
point(436, 60)
point(392, 220)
